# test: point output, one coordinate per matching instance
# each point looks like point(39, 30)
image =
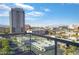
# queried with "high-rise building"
point(17, 20)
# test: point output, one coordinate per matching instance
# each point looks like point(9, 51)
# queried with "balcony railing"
point(31, 44)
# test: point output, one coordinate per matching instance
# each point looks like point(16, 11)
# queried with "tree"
point(5, 49)
point(69, 49)
point(15, 40)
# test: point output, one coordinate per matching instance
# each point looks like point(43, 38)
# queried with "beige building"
point(4, 30)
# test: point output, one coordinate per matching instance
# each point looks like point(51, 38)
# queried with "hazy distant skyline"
point(40, 14)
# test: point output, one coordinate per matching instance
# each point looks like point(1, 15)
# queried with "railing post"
point(55, 47)
point(30, 42)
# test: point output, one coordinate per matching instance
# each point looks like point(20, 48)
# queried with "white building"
point(43, 45)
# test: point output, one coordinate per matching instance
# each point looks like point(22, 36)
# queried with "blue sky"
point(42, 14)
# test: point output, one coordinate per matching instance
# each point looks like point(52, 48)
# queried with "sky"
point(43, 14)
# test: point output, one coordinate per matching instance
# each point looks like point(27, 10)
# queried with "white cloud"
point(30, 19)
point(4, 7)
point(31, 14)
point(27, 7)
point(35, 13)
point(5, 14)
point(47, 10)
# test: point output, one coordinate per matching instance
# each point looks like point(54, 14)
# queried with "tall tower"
point(17, 20)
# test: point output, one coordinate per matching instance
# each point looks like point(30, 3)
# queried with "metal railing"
point(56, 40)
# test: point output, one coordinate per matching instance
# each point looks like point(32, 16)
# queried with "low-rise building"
point(4, 30)
point(38, 30)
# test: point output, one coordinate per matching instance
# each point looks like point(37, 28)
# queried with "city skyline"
point(45, 14)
